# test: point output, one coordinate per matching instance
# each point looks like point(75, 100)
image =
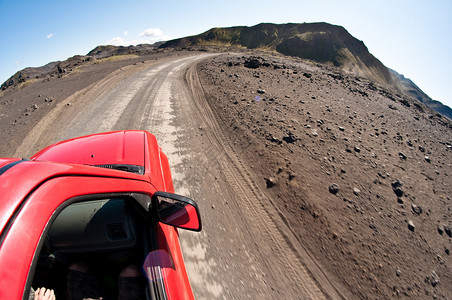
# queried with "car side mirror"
point(177, 211)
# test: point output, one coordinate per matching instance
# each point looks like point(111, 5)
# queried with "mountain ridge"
point(408, 87)
point(319, 42)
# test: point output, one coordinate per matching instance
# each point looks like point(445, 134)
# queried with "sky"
point(411, 37)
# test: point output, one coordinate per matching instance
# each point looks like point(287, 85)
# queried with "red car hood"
point(120, 147)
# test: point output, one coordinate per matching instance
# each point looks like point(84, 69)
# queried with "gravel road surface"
point(245, 251)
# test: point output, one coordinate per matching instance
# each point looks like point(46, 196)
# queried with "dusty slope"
point(320, 42)
point(302, 128)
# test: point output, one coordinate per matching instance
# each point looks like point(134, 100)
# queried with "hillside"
point(360, 174)
point(408, 87)
point(319, 42)
point(61, 68)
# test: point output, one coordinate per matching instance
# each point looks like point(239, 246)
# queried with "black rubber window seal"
point(10, 165)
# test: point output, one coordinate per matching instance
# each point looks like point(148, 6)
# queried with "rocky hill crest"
point(319, 42)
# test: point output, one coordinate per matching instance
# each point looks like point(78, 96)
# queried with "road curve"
point(245, 251)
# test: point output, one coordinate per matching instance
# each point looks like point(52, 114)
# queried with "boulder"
point(252, 63)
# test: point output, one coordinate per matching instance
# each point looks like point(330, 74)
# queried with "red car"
point(106, 196)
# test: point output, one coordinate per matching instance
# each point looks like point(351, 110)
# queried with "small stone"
point(399, 200)
point(397, 188)
point(356, 191)
point(213, 206)
point(398, 191)
point(402, 155)
point(357, 149)
point(447, 230)
point(416, 209)
point(334, 188)
point(440, 230)
point(411, 226)
point(270, 182)
point(398, 273)
point(427, 159)
point(434, 279)
point(341, 128)
point(34, 107)
point(261, 91)
point(290, 138)
point(396, 183)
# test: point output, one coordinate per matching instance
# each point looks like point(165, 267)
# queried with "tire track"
point(309, 282)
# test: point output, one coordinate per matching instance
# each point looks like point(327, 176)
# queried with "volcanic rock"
point(334, 188)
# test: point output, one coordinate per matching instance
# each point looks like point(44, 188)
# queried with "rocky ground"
point(359, 173)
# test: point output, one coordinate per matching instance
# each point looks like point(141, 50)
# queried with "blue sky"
point(412, 37)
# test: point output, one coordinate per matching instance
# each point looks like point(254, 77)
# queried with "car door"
point(24, 234)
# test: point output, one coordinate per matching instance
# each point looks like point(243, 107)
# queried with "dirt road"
point(245, 250)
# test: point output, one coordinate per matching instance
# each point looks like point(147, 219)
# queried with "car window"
point(106, 233)
point(93, 226)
